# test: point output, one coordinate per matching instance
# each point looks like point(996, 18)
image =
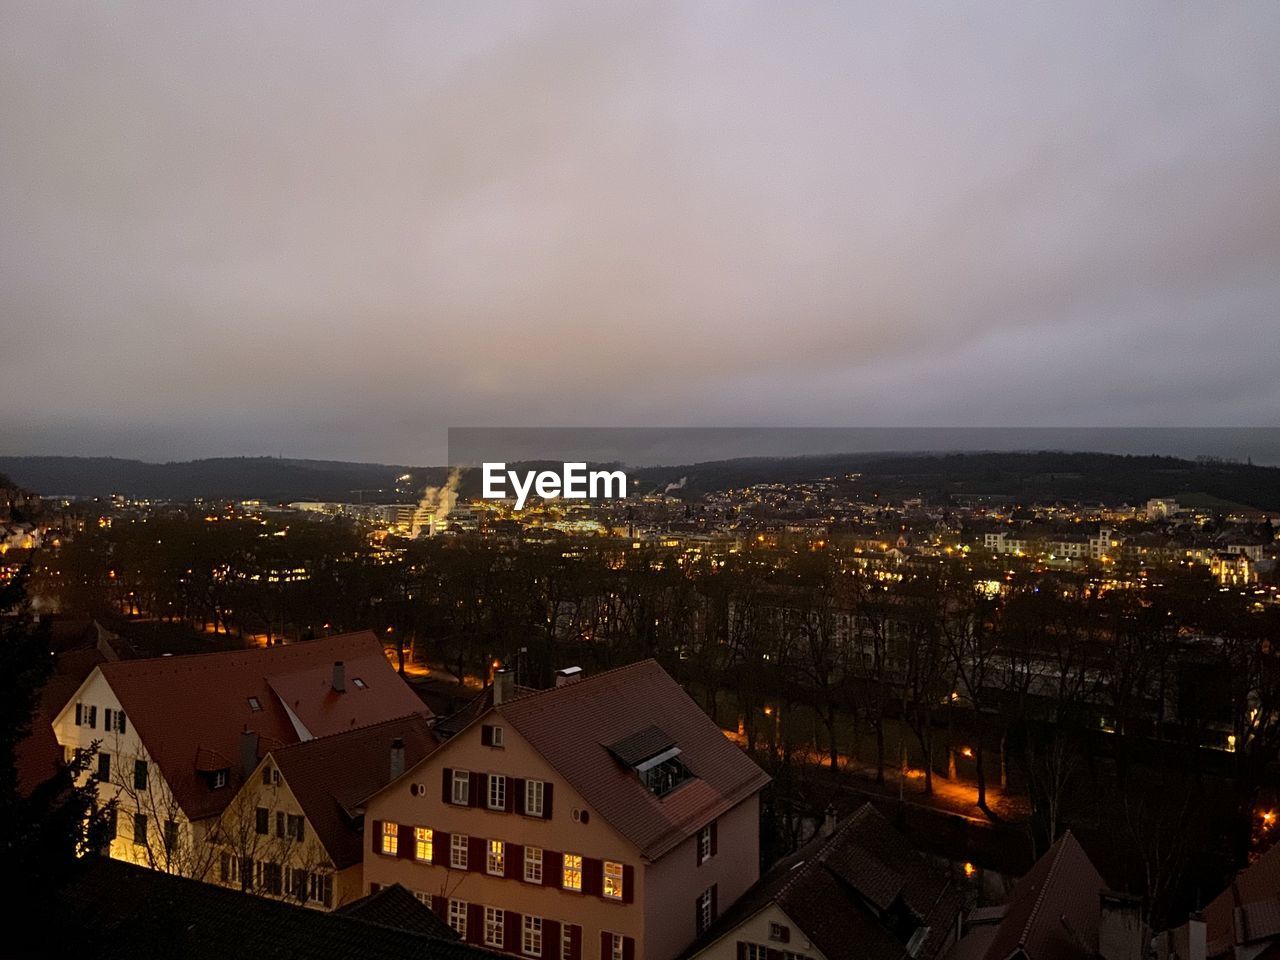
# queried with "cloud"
point(334, 230)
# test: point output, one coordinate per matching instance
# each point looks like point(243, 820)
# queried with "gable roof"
point(1248, 910)
point(192, 709)
point(330, 776)
point(574, 726)
point(1052, 913)
point(113, 910)
point(861, 894)
point(396, 907)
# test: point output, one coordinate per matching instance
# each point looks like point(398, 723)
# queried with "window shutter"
point(476, 795)
point(628, 948)
point(106, 718)
point(715, 904)
point(120, 721)
point(374, 887)
point(772, 954)
point(552, 868)
point(575, 942)
point(511, 932)
point(713, 838)
point(511, 795)
point(446, 787)
point(546, 800)
point(405, 846)
point(476, 859)
point(551, 939)
point(592, 877)
point(513, 868)
point(786, 933)
point(606, 945)
point(697, 849)
point(515, 799)
point(475, 923)
point(375, 838)
point(93, 717)
point(79, 711)
point(628, 884)
point(440, 845)
point(742, 950)
point(486, 735)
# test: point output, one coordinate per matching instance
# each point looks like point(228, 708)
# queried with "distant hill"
point(265, 478)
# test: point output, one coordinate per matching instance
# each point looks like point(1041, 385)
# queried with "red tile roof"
point(37, 755)
point(1249, 909)
point(330, 776)
point(574, 726)
point(188, 708)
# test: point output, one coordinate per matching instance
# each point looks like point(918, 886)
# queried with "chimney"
point(829, 820)
point(504, 686)
point(339, 676)
point(568, 675)
point(397, 757)
point(248, 752)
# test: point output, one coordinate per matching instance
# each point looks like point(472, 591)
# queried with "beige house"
point(178, 736)
point(294, 828)
point(605, 819)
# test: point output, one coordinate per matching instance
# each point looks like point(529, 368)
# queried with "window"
point(104, 767)
point(532, 865)
point(270, 877)
point(458, 917)
point(458, 851)
point(779, 932)
point(120, 721)
point(704, 844)
point(390, 838)
point(261, 820)
point(266, 776)
point(531, 937)
point(534, 790)
point(255, 704)
point(493, 920)
point(572, 876)
point(757, 951)
point(423, 843)
point(322, 888)
point(298, 883)
point(297, 827)
point(566, 941)
point(497, 736)
point(461, 787)
point(358, 683)
point(663, 773)
point(280, 824)
point(613, 880)
point(139, 774)
point(706, 909)
point(496, 861)
point(227, 867)
point(170, 836)
point(617, 946)
point(111, 823)
point(219, 779)
point(140, 828)
point(106, 718)
point(93, 717)
point(497, 791)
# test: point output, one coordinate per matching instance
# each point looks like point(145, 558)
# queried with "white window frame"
point(494, 921)
point(612, 872)
point(566, 941)
point(497, 798)
point(776, 931)
point(495, 858)
point(458, 843)
point(533, 865)
point(458, 917)
point(460, 788)
point(757, 951)
point(531, 936)
point(496, 738)
point(390, 838)
point(535, 792)
point(704, 844)
point(424, 836)
point(704, 910)
point(617, 946)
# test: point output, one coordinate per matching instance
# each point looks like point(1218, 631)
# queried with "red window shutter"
point(628, 948)
point(551, 939)
point(440, 907)
point(628, 884)
point(486, 735)
point(405, 846)
point(742, 950)
point(516, 795)
point(786, 933)
point(477, 796)
point(475, 923)
point(714, 839)
point(511, 795)
point(715, 901)
point(446, 788)
point(514, 866)
point(546, 800)
point(440, 848)
point(592, 877)
point(511, 932)
point(552, 868)
point(375, 837)
point(772, 954)
point(476, 854)
point(575, 942)
point(606, 945)
point(374, 887)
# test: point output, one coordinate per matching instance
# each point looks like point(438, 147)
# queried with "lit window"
point(423, 843)
point(461, 787)
point(613, 880)
point(572, 871)
point(493, 920)
point(458, 917)
point(532, 865)
point(496, 861)
point(497, 792)
point(458, 851)
point(531, 940)
point(390, 838)
point(534, 790)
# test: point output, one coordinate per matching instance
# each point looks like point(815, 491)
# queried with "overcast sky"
point(336, 229)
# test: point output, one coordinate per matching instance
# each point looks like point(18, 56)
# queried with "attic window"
point(219, 779)
point(655, 758)
point(358, 683)
point(255, 704)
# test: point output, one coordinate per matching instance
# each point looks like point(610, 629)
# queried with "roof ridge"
point(820, 855)
point(343, 733)
point(1044, 887)
point(258, 651)
point(578, 684)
